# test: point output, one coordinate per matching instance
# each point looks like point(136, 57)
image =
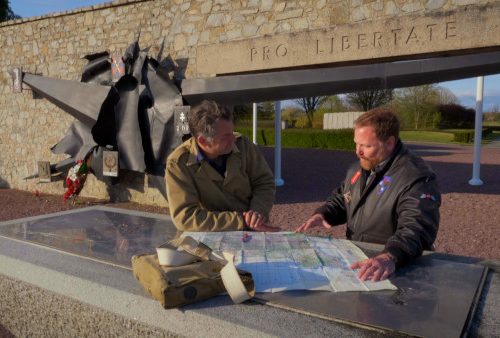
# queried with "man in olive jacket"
point(218, 180)
point(390, 197)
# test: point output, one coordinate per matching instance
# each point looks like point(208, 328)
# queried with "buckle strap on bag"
point(200, 250)
point(232, 281)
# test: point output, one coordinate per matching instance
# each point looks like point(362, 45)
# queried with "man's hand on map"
point(314, 221)
point(257, 222)
point(376, 268)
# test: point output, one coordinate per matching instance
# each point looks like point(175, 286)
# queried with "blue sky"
point(28, 8)
point(465, 90)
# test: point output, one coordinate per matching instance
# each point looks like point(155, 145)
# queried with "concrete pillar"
point(277, 144)
point(476, 166)
point(254, 123)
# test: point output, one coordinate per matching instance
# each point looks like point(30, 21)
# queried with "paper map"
point(282, 261)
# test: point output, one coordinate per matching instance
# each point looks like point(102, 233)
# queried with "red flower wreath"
point(75, 180)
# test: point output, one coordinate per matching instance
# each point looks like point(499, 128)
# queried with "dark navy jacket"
point(399, 206)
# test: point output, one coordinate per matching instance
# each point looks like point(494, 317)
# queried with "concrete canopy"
point(288, 84)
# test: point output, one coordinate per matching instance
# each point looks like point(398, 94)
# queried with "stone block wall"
point(54, 45)
point(340, 120)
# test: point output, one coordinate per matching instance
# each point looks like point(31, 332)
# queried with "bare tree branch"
point(369, 99)
point(310, 104)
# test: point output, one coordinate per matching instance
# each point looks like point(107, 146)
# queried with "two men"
point(218, 180)
point(390, 197)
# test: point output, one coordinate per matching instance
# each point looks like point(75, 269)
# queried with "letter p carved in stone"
point(253, 53)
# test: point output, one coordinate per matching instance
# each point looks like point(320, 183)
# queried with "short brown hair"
point(383, 120)
point(204, 116)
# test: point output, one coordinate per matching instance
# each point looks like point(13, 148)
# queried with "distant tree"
point(334, 104)
point(310, 104)
point(418, 106)
point(456, 116)
point(445, 96)
point(5, 12)
point(493, 115)
point(369, 99)
point(242, 112)
point(266, 110)
point(291, 114)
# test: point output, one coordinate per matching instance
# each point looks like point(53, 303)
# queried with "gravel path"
point(470, 215)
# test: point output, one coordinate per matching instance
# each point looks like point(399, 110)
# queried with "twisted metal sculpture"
point(129, 104)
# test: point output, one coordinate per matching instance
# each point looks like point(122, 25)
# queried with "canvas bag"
point(175, 286)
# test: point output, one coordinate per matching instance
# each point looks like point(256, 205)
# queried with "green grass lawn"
point(444, 136)
point(491, 124)
point(426, 136)
point(438, 136)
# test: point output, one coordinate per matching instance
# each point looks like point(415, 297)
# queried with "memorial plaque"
point(110, 163)
point(44, 171)
point(181, 120)
point(17, 77)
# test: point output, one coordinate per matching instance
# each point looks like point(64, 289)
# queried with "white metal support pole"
point(254, 123)
point(277, 144)
point(476, 166)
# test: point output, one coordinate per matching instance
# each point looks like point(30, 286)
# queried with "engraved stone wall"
point(201, 36)
point(340, 120)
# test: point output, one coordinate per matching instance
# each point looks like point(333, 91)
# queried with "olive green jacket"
point(200, 199)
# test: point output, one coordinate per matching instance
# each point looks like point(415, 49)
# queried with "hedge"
point(467, 136)
point(341, 139)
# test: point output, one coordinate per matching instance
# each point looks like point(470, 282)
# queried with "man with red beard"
point(389, 197)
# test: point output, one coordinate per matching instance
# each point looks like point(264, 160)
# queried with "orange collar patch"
point(355, 177)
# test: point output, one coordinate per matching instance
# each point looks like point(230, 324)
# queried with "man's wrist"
point(393, 258)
